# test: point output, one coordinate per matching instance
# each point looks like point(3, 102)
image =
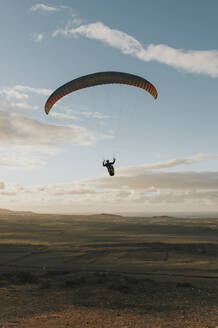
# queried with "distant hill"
point(163, 217)
point(107, 215)
point(5, 211)
point(110, 214)
point(10, 212)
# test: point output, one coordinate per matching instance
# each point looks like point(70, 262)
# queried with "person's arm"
point(113, 161)
point(103, 163)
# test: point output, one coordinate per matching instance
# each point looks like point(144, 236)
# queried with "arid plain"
point(107, 271)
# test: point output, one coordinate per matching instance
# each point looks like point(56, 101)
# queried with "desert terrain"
point(107, 271)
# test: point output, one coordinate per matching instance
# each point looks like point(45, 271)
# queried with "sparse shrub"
point(45, 285)
point(120, 285)
point(100, 280)
point(55, 273)
point(2, 283)
point(184, 285)
point(71, 283)
point(26, 278)
point(102, 274)
point(132, 280)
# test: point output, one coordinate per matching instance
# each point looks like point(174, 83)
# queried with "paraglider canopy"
point(99, 78)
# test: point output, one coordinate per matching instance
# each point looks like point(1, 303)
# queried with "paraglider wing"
point(92, 80)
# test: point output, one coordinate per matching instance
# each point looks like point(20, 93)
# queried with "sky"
point(165, 149)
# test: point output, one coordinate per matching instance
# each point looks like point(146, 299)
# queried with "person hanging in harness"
point(109, 166)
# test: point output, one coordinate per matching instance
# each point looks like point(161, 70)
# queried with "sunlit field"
point(106, 242)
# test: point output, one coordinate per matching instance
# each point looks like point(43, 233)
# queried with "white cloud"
point(194, 61)
point(97, 115)
point(20, 105)
point(28, 138)
point(74, 20)
point(162, 181)
point(65, 116)
point(17, 97)
point(136, 170)
point(39, 91)
point(17, 158)
point(12, 93)
point(39, 37)
point(2, 185)
point(151, 191)
point(15, 105)
point(44, 8)
point(21, 92)
point(16, 129)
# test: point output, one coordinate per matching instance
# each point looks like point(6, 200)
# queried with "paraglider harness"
point(109, 166)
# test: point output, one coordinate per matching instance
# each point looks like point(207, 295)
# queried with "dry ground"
point(98, 300)
point(107, 271)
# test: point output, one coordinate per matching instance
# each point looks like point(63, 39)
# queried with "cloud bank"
point(144, 191)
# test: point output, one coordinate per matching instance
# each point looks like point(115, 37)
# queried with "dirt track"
point(79, 317)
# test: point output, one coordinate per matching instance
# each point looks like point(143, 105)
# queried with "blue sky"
point(166, 150)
